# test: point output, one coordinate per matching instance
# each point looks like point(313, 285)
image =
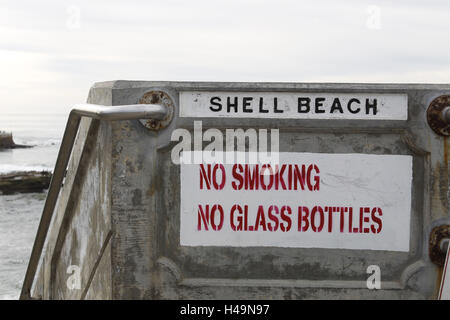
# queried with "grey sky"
point(51, 52)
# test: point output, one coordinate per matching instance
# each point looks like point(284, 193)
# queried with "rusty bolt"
point(438, 235)
point(438, 115)
point(158, 97)
point(445, 114)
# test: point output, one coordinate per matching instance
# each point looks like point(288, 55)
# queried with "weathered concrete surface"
point(80, 231)
point(118, 216)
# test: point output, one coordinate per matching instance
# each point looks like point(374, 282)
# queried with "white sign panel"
point(307, 200)
point(284, 105)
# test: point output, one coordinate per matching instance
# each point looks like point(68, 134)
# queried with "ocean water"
point(20, 213)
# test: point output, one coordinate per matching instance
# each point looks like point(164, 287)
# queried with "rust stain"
point(437, 256)
point(440, 272)
point(151, 190)
point(446, 150)
point(434, 115)
point(162, 98)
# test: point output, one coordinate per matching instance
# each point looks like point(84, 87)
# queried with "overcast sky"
point(51, 51)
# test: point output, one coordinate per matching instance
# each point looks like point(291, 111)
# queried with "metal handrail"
point(108, 113)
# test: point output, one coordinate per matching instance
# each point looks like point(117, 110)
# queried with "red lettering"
point(205, 177)
point(235, 227)
point(251, 180)
point(283, 185)
point(286, 218)
point(216, 185)
point(209, 218)
point(300, 177)
point(303, 219)
point(350, 219)
point(313, 219)
point(238, 176)
point(343, 210)
point(377, 220)
point(274, 219)
point(316, 178)
point(216, 227)
point(264, 168)
point(260, 219)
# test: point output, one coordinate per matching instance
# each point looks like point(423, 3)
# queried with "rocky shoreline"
point(21, 181)
point(24, 182)
point(7, 141)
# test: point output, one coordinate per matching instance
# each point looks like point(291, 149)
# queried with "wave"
point(9, 296)
point(38, 142)
point(8, 168)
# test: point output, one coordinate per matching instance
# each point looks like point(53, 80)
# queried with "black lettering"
point(303, 104)
point(353, 100)
point(232, 105)
point(246, 102)
point(372, 106)
point(275, 106)
point(261, 103)
point(319, 103)
point(214, 103)
point(336, 106)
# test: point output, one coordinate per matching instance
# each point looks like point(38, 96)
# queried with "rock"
point(24, 182)
point(7, 142)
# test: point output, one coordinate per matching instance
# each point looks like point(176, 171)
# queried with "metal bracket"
point(438, 236)
point(438, 115)
point(160, 98)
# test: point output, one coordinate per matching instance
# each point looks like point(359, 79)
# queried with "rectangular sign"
point(284, 105)
point(306, 200)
